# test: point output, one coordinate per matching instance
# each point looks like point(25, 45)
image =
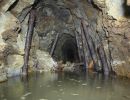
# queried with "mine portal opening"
point(66, 49)
point(69, 52)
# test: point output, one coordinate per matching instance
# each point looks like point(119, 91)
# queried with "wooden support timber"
point(54, 44)
point(84, 44)
point(28, 41)
point(103, 60)
point(90, 44)
point(93, 52)
point(78, 46)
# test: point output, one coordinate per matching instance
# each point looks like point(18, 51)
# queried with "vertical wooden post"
point(78, 46)
point(28, 41)
point(54, 44)
point(90, 44)
point(103, 60)
point(84, 43)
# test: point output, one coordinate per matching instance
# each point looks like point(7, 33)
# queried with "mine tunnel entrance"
point(69, 51)
point(66, 49)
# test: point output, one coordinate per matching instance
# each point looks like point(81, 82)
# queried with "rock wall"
point(14, 15)
point(8, 39)
point(114, 21)
point(108, 22)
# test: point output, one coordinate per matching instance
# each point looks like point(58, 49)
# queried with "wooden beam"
point(28, 41)
point(103, 60)
point(78, 46)
point(90, 44)
point(84, 42)
point(54, 44)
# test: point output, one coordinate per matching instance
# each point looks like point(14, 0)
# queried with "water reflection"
point(65, 86)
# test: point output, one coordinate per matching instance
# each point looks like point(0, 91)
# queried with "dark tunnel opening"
point(66, 49)
point(69, 52)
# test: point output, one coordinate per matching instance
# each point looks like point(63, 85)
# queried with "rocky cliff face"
point(108, 25)
point(115, 23)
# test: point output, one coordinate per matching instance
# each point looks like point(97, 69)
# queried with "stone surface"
point(117, 38)
point(8, 31)
point(9, 27)
point(6, 4)
point(21, 4)
point(115, 8)
point(3, 76)
point(15, 63)
point(100, 3)
point(45, 62)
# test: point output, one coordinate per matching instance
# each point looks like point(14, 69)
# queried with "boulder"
point(45, 61)
point(9, 27)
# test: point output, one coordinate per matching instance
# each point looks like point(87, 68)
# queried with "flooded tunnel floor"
point(65, 86)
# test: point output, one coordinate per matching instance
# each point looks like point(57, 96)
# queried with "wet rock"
point(3, 76)
point(11, 72)
point(45, 62)
point(9, 27)
point(68, 67)
point(15, 63)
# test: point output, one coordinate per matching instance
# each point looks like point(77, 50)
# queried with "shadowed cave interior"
point(66, 49)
